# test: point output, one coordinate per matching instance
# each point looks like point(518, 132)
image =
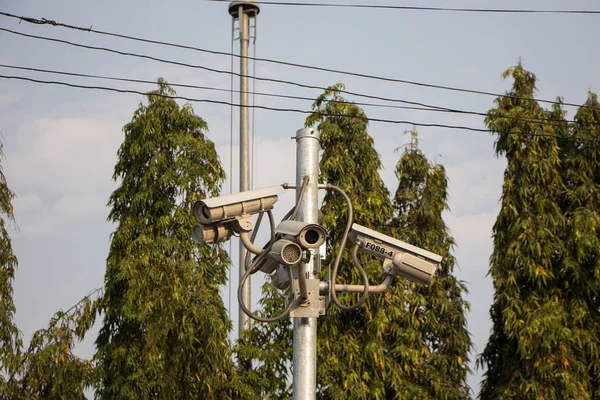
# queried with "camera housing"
point(292, 239)
point(211, 233)
point(308, 236)
point(216, 209)
point(286, 252)
point(411, 262)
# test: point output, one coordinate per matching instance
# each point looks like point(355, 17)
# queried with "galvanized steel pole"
point(305, 329)
point(243, 10)
point(244, 320)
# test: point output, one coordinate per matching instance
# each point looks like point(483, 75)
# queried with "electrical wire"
point(305, 181)
point(338, 258)
point(209, 69)
point(280, 62)
point(249, 313)
point(255, 267)
point(290, 110)
point(420, 8)
point(255, 231)
point(189, 86)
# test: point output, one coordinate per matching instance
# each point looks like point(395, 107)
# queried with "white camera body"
point(292, 239)
point(308, 236)
point(285, 252)
point(216, 209)
point(211, 233)
point(411, 262)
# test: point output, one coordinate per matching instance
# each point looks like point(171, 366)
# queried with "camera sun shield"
point(229, 206)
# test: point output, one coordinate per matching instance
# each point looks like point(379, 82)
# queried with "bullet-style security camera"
point(286, 252)
point(411, 262)
point(292, 238)
point(309, 236)
point(216, 209)
point(211, 233)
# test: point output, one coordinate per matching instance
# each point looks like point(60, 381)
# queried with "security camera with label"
point(411, 262)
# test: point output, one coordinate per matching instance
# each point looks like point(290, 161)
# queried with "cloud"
point(27, 202)
point(81, 205)
point(475, 185)
point(61, 169)
point(66, 154)
point(8, 98)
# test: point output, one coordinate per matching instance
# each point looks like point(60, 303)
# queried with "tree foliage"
point(10, 338)
point(350, 162)
point(49, 369)
point(408, 343)
point(265, 351)
point(350, 356)
point(165, 328)
point(426, 336)
point(543, 338)
point(580, 203)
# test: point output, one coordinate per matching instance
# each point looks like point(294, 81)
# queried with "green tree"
point(10, 338)
point(580, 203)
point(427, 339)
point(265, 351)
point(165, 328)
point(346, 367)
point(49, 369)
point(534, 347)
point(350, 354)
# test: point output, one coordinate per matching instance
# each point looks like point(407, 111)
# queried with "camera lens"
point(311, 236)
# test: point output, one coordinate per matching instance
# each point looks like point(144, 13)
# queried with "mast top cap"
point(250, 8)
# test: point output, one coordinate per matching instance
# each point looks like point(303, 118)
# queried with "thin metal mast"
point(243, 11)
point(305, 329)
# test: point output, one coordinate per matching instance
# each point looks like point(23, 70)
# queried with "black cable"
point(389, 121)
point(111, 78)
point(215, 70)
point(279, 62)
point(419, 8)
point(81, 75)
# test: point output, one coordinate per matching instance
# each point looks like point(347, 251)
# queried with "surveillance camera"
point(211, 233)
point(284, 252)
point(292, 238)
point(220, 208)
point(413, 263)
point(309, 236)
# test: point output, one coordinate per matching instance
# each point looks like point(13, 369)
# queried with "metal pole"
point(244, 320)
point(305, 329)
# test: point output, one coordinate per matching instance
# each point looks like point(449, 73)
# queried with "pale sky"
point(60, 143)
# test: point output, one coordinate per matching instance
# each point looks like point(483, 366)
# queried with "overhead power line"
point(45, 21)
point(282, 96)
point(215, 70)
point(419, 8)
point(289, 110)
